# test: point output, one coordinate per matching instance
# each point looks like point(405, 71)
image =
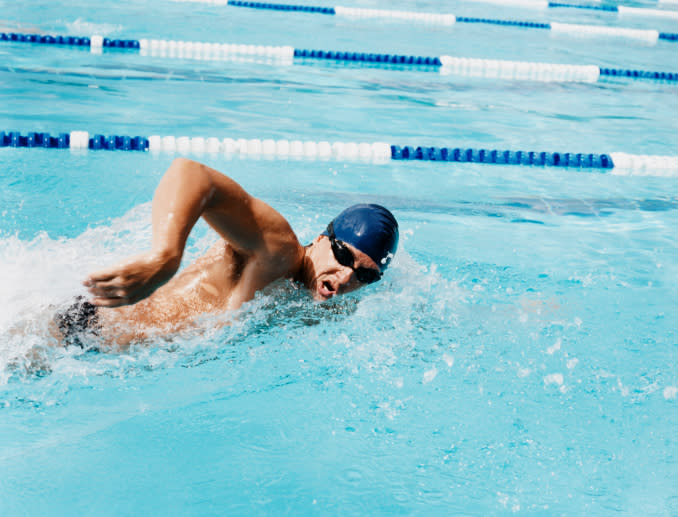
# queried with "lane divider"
point(377, 152)
point(649, 36)
point(446, 65)
point(441, 18)
point(621, 10)
point(646, 36)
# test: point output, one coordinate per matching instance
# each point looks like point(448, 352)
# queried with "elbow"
point(190, 169)
point(183, 163)
point(189, 175)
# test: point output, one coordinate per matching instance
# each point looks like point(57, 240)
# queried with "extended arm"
point(187, 191)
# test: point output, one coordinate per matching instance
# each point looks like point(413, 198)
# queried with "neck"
point(305, 273)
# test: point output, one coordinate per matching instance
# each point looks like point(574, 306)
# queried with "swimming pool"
point(518, 357)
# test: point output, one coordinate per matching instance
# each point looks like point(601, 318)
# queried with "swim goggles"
point(345, 257)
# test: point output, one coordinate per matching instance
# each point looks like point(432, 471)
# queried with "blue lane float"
point(446, 65)
point(283, 7)
point(493, 156)
point(590, 7)
point(368, 57)
point(619, 9)
point(376, 152)
point(33, 140)
point(73, 140)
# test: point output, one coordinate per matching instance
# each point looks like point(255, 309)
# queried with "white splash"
point(429, 375)
point(572, 363)
point(554, 348)
point(554, 378)
point(80, 27)
point(524, 372)
point(42, 274)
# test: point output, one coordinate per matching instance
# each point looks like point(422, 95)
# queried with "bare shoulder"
point(279, 248)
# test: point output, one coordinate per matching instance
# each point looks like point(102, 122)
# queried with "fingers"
point(120, 273)
point(115, 282)
point(114, 293)
point(103, 286)
point(111, 291)
point(112, 302)
point(105, 275)
point(90, 281)
point(127, 282)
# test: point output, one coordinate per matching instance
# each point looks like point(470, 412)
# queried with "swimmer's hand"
point(131, 280)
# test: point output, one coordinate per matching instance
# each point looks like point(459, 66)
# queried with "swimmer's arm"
point(190, 190)
point(187, 191)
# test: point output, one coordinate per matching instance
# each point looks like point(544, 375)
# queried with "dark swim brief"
point(79, 318)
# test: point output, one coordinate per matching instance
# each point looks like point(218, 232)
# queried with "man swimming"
point(257, 247)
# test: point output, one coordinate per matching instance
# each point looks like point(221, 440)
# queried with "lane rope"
point(442, 18)
point(377, 152)
point(446, 65)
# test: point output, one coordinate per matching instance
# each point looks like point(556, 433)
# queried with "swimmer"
point(256, 248)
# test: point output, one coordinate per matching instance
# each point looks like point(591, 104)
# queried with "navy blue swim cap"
point(370, 228)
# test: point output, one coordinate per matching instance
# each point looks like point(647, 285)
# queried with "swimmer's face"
point(330, 277)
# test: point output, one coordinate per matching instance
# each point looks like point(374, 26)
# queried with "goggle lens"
point(345, 257)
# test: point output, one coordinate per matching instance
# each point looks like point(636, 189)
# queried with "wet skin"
point(257, 247)
point(211, 285)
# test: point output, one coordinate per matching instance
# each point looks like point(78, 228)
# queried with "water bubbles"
point(555, 347)
point(429, 375)
point(80, 26)
point(554, 378)
point(523, 372)
point(43, 274)
point(508, 502)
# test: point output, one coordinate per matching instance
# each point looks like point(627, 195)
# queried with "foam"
point(80, 26)
point(554, 378)
point(43, 273)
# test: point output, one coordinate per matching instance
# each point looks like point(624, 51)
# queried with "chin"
point(318, 297)
point(321, 291)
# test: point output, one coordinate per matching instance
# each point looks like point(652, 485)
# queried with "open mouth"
point(325, 289)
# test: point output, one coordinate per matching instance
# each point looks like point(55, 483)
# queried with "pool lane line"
point(377, 152)
point(443, 18)
point(648, 36)
point(620, 9)
point(445, 65)
point(73, 140)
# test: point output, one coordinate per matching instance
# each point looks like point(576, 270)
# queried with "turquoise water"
point(518, 358)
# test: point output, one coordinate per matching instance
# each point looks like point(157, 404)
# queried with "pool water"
point(519, 356)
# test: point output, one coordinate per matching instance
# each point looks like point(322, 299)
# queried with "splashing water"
point(43, 274)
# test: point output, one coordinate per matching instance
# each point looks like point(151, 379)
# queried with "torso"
point(214, 283)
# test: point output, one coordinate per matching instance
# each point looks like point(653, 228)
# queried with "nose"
point(344, 275)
